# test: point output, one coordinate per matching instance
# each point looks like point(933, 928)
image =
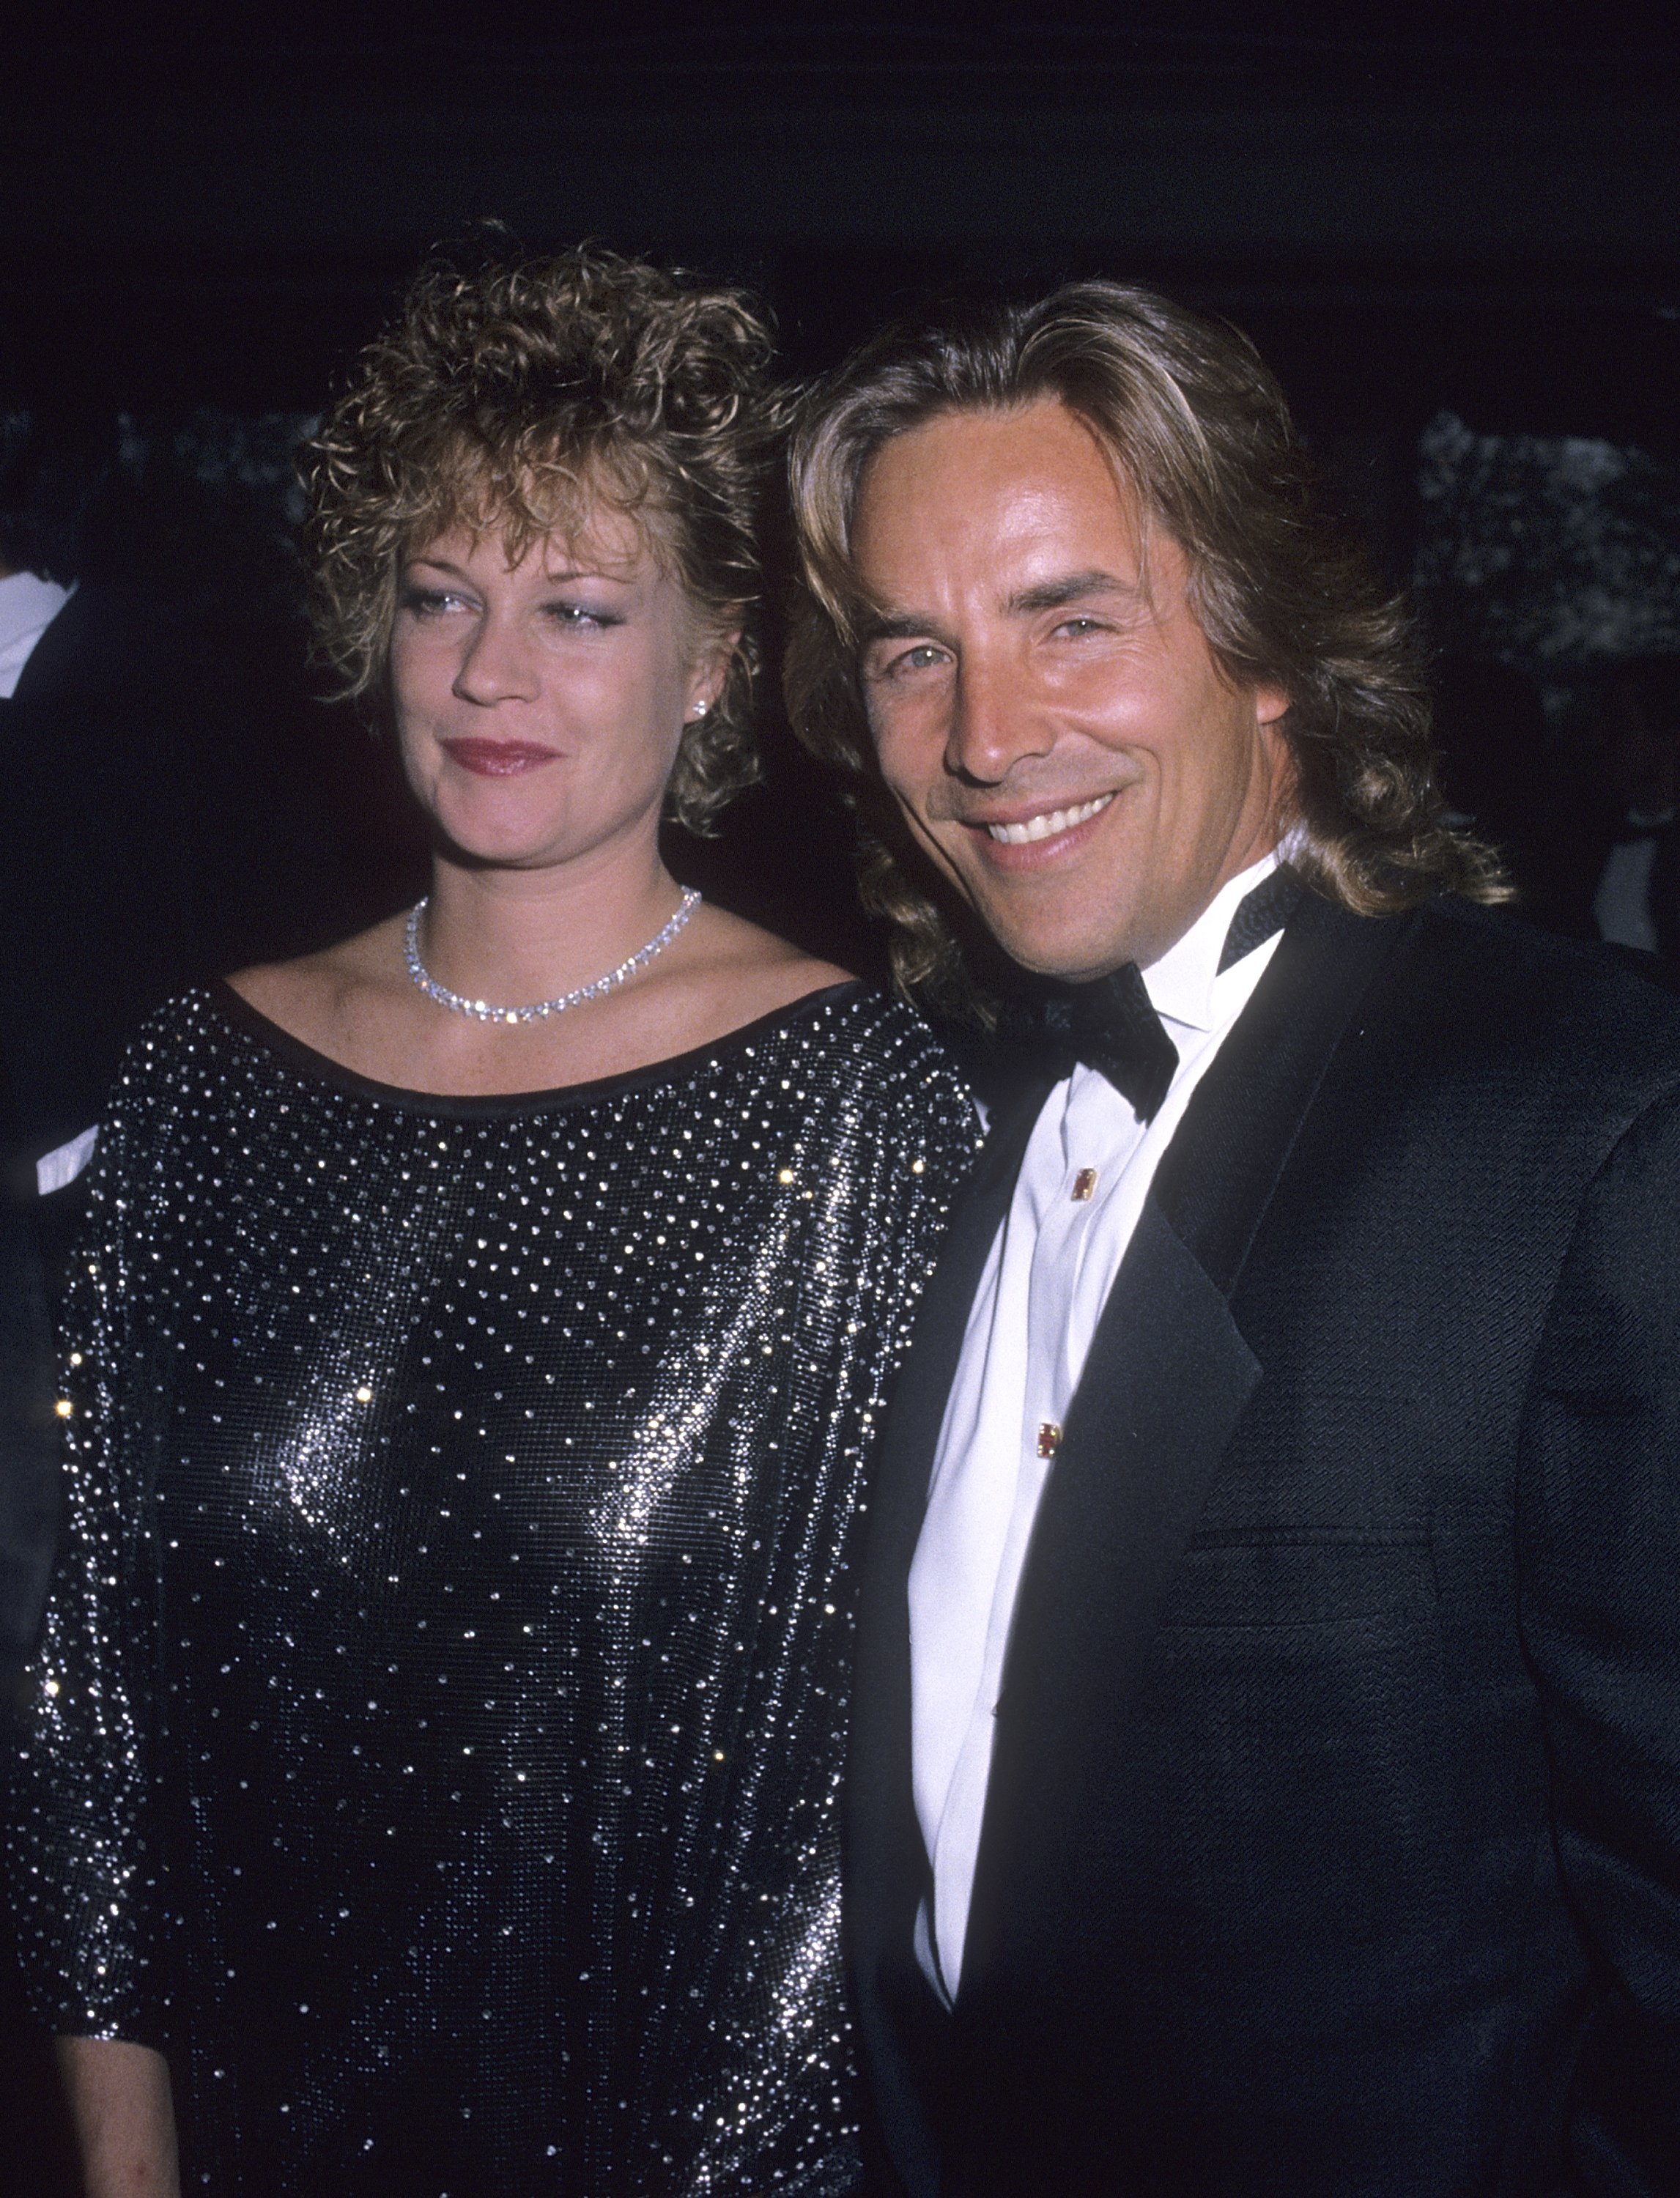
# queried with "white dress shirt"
point(1085, 1176)
point(28, 606)
point(1621, 906)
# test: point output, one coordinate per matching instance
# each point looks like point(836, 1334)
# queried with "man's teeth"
point(1047, 826)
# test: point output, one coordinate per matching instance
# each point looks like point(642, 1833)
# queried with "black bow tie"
point(1110, 1024)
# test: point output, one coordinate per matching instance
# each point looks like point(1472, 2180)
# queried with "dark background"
point(1467, 216)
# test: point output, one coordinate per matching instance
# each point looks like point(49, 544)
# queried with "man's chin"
point(1048, 934)
point(1072, 961)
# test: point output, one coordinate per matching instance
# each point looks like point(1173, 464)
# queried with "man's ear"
point(1271, 707)
point(1270, 704)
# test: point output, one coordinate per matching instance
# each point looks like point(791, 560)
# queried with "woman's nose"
point(499, 665)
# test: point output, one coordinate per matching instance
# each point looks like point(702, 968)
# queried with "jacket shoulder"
point(1497, 990)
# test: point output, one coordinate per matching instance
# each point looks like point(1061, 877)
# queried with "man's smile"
point(1047, 823)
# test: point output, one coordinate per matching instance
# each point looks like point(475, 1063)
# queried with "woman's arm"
point(124, 2118)
point(81, 1884)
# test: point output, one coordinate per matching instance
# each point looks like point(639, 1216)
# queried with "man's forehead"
point(885, 619)
point(1017, 492)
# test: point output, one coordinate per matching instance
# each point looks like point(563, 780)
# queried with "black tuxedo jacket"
point(1332, 1839)
point(29, 1466)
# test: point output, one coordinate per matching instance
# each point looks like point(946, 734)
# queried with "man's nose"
point(993, 725)
point(499, 665)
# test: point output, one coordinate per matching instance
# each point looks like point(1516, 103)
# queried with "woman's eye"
point(579, 618)
point(431, 602)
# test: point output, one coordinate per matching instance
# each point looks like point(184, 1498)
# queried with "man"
point(164, 820)
point(1267, 1764)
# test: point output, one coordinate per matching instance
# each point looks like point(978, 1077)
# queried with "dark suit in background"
point(159, 828)
point(1618, 788)
point(28, 1448)
point(1332, 1844)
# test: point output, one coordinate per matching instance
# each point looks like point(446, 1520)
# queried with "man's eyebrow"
point(1048, 596)
point(882, 625)
point(1072, 588)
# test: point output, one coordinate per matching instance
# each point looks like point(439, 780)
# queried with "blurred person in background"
point(1494, 765)
point(1635, 895)
point(1602, 854)
point(28, 1450)
point(476, 1357)
point(155, 831)
point(95, 859)
point(37, 527)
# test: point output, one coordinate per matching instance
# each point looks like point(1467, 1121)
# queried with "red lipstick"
point(496, 758)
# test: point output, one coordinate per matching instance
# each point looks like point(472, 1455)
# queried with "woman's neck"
point(514, 937)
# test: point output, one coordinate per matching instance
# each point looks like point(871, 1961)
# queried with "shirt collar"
point(1182, 984)
point(28, 606)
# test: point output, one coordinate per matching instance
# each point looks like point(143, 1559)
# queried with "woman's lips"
point(498, 758)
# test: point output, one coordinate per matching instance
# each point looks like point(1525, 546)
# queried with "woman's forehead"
point(601, 536)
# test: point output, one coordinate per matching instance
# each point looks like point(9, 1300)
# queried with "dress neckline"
point(500, 1106)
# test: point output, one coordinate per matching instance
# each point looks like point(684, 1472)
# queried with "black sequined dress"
point(442, 1713)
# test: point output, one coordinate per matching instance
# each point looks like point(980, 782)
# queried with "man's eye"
point(919, 658)
point(1078, 627)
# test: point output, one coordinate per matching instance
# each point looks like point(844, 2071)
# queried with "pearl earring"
point(700, 709)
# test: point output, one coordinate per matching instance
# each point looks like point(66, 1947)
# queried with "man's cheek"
point(893, 762)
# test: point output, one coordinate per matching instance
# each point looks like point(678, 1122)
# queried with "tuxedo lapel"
point(1167, 1378)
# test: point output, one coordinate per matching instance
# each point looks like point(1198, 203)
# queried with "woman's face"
point(540, 705)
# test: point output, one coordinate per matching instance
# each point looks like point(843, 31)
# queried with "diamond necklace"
point(483, 1010)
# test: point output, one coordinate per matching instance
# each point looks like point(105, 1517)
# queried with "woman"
point(481, 1348)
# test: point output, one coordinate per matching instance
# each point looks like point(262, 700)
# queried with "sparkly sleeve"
point(876, 1147)
point(80, 1885)
point(925, 1132)
point(908, 1135)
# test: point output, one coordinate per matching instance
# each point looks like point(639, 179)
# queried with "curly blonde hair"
point(1196, 424)
point(510, 398)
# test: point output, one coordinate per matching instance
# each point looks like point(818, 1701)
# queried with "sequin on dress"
point(440, 1726)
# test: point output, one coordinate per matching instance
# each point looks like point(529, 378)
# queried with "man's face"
point(1044, 706)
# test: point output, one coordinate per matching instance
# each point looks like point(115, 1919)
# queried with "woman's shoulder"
point(738, 973)
point(313, 995)
point(878, 1057)
point(170, 1036)
point(171, 1080)
point(196, 1026)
